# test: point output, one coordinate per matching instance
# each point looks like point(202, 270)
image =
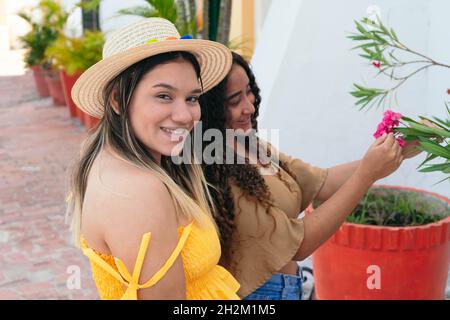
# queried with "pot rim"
point(440, 223)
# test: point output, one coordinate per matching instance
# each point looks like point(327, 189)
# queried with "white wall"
point(305, 69)
point(16, 26)
point(108, 14)
point(109, 20)
point(261, 10)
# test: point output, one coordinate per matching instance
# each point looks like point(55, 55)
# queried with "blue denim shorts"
point(280, 287)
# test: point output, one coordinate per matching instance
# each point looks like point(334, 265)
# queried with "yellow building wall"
point(242, 37)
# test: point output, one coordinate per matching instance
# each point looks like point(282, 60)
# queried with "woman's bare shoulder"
point(115, 171)
point(121, 199)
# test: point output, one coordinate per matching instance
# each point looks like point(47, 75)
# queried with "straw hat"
point(140, 40)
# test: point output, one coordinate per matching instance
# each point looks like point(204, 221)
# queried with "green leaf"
point(444, 167)
point(409, 120)
point(413, 132)
point(429, 158)
point(360, 28)
point(434, 122)
point(366, 45)
point(366, 56)
point(369, 90)
point(141, 11)
point(378, 38)
point(358, 94)
point(411, 138)
point(448, 178)
point(442, 123)
point(434, 148)
point(364, 101)
point(358, 38)
point(425, 129)
point(156, 8)
point(394, 35)
point(383, 28)
point(89, 5)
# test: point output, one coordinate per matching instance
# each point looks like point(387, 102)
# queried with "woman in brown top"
point(257, 206)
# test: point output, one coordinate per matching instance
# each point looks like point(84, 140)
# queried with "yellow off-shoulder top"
point(200, 253)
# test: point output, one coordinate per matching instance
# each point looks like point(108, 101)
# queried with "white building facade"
point(305, 67)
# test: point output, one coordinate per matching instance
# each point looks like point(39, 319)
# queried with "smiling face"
point(240, 100)
point(165, 106)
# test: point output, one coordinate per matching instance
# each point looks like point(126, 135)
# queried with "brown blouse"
point(264, 241)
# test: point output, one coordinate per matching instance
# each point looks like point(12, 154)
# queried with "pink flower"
point(401, 141)
point(376, 64)
point(380, 130)
point(390, 120)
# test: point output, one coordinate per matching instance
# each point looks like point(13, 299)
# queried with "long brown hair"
point(185, 182)
point(244, 176)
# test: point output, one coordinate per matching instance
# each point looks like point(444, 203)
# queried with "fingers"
point(386, 141)
point(399, 156)
point(392, 150)
point(390, 140)
point(399, 152)
point(381, 139)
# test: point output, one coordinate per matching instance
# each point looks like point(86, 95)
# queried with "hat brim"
point(215, 61)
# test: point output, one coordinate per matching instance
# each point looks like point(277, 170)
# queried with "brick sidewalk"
point(37, 143)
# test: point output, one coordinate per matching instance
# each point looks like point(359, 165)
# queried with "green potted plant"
point(181, 15)
point(55, 87)
point(43, 33)
point(72, 56)
point(36, 41)
point(55, 18)
point(396, 243)
point(214, 24)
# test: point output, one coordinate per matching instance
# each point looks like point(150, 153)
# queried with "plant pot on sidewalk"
point(381, 262)
point(90, 121)
point(39, 80)
point(75, 55)
point(55, 88)
point(67, 83)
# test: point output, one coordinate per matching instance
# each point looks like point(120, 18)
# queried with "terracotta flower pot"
point(39, 80)
point(67, 83)
point(90, 122)
point(82, 116)
point(55, 88)
point(376, 262)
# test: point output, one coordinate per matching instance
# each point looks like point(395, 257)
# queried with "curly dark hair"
point(220, 176)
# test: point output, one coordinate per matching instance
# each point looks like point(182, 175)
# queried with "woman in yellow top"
point(259, 201)
point(143, 221)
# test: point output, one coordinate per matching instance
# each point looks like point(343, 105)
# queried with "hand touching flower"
point(390, 120)
point(410, 149)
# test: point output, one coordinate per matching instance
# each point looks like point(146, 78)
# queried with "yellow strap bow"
point(132, 281)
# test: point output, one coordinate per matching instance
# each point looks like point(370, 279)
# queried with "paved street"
point(37, 143)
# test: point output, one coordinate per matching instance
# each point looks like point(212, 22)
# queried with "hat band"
point(185, 37)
